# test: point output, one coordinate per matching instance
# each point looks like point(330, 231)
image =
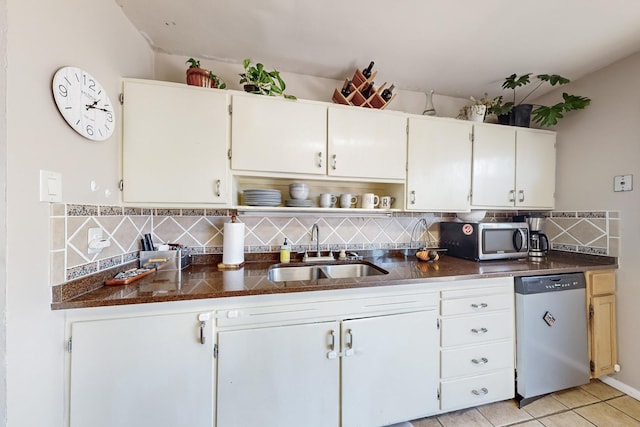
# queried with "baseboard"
point(618, 385)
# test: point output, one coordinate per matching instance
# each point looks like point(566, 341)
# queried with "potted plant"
point(479, 108)
point(258, 80)
point(197, 76)
point(519, 113)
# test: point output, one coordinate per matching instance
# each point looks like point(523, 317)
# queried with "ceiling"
point(459, 48)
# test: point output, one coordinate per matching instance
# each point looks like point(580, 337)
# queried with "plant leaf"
point(246, 63)
point(548, 116)
point(553, 79)
point(513, 81)
point(574, 102)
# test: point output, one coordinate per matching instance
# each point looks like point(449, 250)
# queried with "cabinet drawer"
point(476, 304)
point(476, 360)
point(477, 329)
point(478, 390)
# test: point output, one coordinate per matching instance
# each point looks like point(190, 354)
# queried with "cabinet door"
point(175, 141)
point(365, 143)
point(601, 300)
point(279, 376)
point(439, 164)
point(142, 371)
point(389, 369)
point(535, 169)
point(603, 330)
point(278, 135)
point(493, 166)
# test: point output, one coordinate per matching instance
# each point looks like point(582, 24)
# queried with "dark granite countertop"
point(207, 281)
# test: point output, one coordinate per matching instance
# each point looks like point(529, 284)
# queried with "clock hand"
point(92, 105)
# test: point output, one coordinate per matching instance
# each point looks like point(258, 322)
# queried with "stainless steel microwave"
point(480, 241)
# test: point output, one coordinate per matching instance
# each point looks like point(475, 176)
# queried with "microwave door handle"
point(523, 239)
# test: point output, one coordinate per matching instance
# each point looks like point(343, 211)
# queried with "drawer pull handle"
point(203, 324)
point(480, 331)
point(481, 305)
point(482, 361)
point(319, 159)
point(480, 392)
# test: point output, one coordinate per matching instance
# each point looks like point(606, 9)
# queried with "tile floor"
point(593, 404)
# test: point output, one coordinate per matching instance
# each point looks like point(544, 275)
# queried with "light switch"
point(50, 186)
point(623, 183)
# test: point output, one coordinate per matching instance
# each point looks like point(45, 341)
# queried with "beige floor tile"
point(426, 422)
point(464, 418)
point(628, 405)
point(601, 390)
point(532, 423)
point(546, 406)
point(565, 419)
point(604, 415)
point(504, 413)
point(575, 397)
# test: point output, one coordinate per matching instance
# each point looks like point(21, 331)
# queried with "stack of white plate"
point(262, 197)
point(298, 203)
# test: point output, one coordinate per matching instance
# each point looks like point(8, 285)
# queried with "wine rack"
point(356, 98)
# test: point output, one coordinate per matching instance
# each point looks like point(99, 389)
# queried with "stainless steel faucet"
point(315, 231)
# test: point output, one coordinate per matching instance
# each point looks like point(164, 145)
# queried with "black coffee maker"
point(538, 241)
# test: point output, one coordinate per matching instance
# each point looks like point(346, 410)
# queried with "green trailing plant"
point(543, 115)
point(216, 82)
point(263, 82)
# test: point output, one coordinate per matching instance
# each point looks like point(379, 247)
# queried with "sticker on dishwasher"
point(467, 229)
point(549, 319)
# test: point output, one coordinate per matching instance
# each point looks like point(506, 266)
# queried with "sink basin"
point(324, 271)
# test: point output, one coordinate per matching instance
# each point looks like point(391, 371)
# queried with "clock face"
point(83, 103)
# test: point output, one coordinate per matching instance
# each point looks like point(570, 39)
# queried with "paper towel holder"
point(235, 266)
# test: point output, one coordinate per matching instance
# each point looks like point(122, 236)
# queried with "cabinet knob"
point(481, 305)
point(481, 361)
point(480, 392)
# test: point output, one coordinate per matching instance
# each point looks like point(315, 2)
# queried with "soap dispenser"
point(285, 251)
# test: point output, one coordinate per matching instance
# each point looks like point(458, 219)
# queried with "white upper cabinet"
point(439, 164)
point(536, 169)
point(273, 134)
point(367, 144)
point(175, 142)
point(513, 167)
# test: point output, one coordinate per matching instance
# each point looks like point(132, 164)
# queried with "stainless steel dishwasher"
point(551, 335)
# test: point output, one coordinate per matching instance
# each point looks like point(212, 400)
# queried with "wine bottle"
point(346, 89)
point(366, 92)
point(386, 94)
point(367, 71)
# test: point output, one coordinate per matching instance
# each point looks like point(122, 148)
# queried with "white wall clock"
point(83, 103)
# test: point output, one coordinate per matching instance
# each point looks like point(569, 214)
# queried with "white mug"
point(346, 200)
point(386, 202)
point(370, 201)
point(328, 200)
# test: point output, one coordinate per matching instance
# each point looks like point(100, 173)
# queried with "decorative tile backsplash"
point(201, 230)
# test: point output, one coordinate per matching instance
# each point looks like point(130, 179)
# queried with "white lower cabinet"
point(142, 371)
point(477, 344)
point(360, 369)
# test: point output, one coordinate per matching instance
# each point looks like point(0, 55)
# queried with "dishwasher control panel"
point(551, 283)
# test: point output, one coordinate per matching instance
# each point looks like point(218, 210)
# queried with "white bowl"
point(299, 191)
point(473, 216)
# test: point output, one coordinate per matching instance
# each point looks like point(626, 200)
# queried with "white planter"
point(476, 113)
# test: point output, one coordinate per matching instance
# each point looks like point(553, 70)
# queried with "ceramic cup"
point(347, 199)
point(386, 202)
point(370, 201)
point(328, 200)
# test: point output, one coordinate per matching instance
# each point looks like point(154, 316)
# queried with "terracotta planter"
point(198, 77)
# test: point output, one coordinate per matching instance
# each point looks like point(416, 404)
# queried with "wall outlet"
point(623, 183)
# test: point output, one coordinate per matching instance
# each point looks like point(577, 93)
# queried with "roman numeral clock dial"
point(83, 103)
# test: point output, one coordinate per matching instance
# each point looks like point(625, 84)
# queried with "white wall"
point(3, 208)
point(594, 145)
point(41, 37)
point(172, 68)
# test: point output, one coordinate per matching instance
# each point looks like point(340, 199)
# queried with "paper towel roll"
point(233, 243)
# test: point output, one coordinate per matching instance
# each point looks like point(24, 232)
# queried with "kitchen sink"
point(289, 273)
